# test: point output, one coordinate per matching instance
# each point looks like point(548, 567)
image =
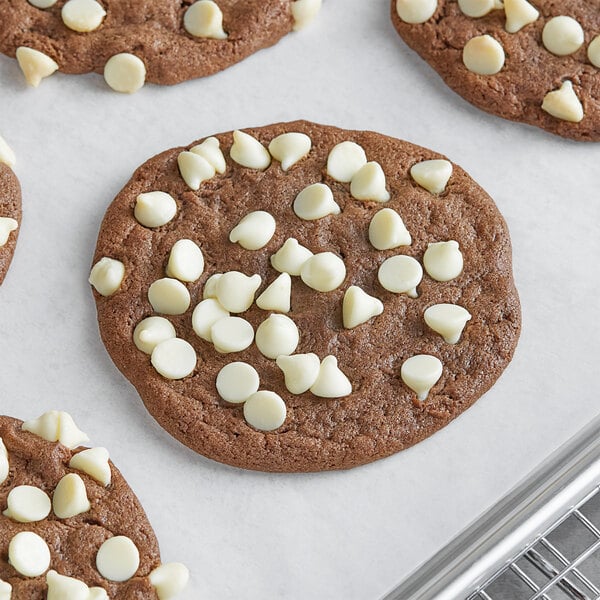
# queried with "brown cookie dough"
point(10, 207)
point(381, 415)
point(530, 71)
point(26, 459)
point(152, 30)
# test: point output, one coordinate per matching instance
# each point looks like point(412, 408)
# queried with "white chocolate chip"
point(300, 371)
point(210, 150)
point(323, 272)
point(420, 373)
point(55, 426)
point(277, 335)
point(70, 497)
point(290, 148)
point(304, 13)
point(169, 579)
point(205, 315)
point(562, 35)
point(125, 73)
point(5, 590)
point(593, 53)
point(61, 587)
point(174, 358)
point(254, 231)
point(29, 554)
point(315, 202)
point(169, 296)
point(443, 261)
point(27, 504)
point(358, 307)
point(35, 65)
point(7, 156)
point(433, 175)
point(416, 11)
point(204, 19)
point(97, 593)
point(519, 13)
point(331, 381)
point(4, 465)
point(277, 296)
point(448, 320)
point(194, 169)
point(483, 55)
point(151, 331)
point(107, 275)
point(345, 160)
point(94, 462)
point(401, 275)
point(7, 225)
point(249, 152)
point(369, 183)
point(210, 286)
point(186, 262)
point(478, 8)
point(235, 291)
point(231, 334)
point(564, 104)
point(237, 381)
point(387, 230)
point(265, 411)
point(290, 257)
point(82, 15)
point(154, 209)
point(42, 3)
point(118, 559)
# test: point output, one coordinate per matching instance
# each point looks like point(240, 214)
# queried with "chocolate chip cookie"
point(10, 208)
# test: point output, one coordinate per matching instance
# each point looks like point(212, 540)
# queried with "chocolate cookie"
point(10, 208)
point(71, 527)
point(162, 41)
point(536, 62)
point(270, 305)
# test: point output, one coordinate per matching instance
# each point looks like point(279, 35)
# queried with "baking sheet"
point(340, 535)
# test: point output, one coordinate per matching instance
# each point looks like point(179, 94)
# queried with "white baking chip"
point(151, 331)
point(416, 11)
point(265, 411)
point(519, 13)
point(174, 358)
point(483, 55)
point(210, 150)
point(27, 504)
point(4, 464)
point(420, 373)
point(125, 73)
point(300, 371)
point(448, 320)
point(204, 19)
point(443, 261)
point(186, 262)
point(82, 15)
point(564, 104)
point(387, 230)
point(169, 579)
point(57, 426)
point(237, 381)
point(593, 53)
point(315, 202)
point(433, 175)
point(290, 257)
point(249, 152)
point(401, 275)
point(254, 231)
point(369, 183)
point(562, 35)
point(5, 590)
point(205, 315)
point(304, 12)
point(358, 307)
point(118, 559)
point(29, 554)
point(42, 3)
point(7, 156)
point(169, 296)
point(70, 497)
point(231, 334)
point(107, 275)
point(61, 587)
point(35, 65)
point(331, 381)
point(277, 335)
point(235, 291)
point(277, 296)
point(290, 148)
point(478, 8)
point(345, 160)
point(93, 462)
point(210, 286)
point(7, 226)
point(194, 169)
point(154, 209)
point(323, 272)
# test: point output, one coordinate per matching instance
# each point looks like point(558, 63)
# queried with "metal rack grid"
point(561, 564)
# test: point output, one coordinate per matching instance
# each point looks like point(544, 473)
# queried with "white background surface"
point(347, 535)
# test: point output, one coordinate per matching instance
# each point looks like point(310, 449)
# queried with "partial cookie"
point(300, 297)
point(536, 62)
point(70, 525)
point(10, 208)
point(162, 41)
